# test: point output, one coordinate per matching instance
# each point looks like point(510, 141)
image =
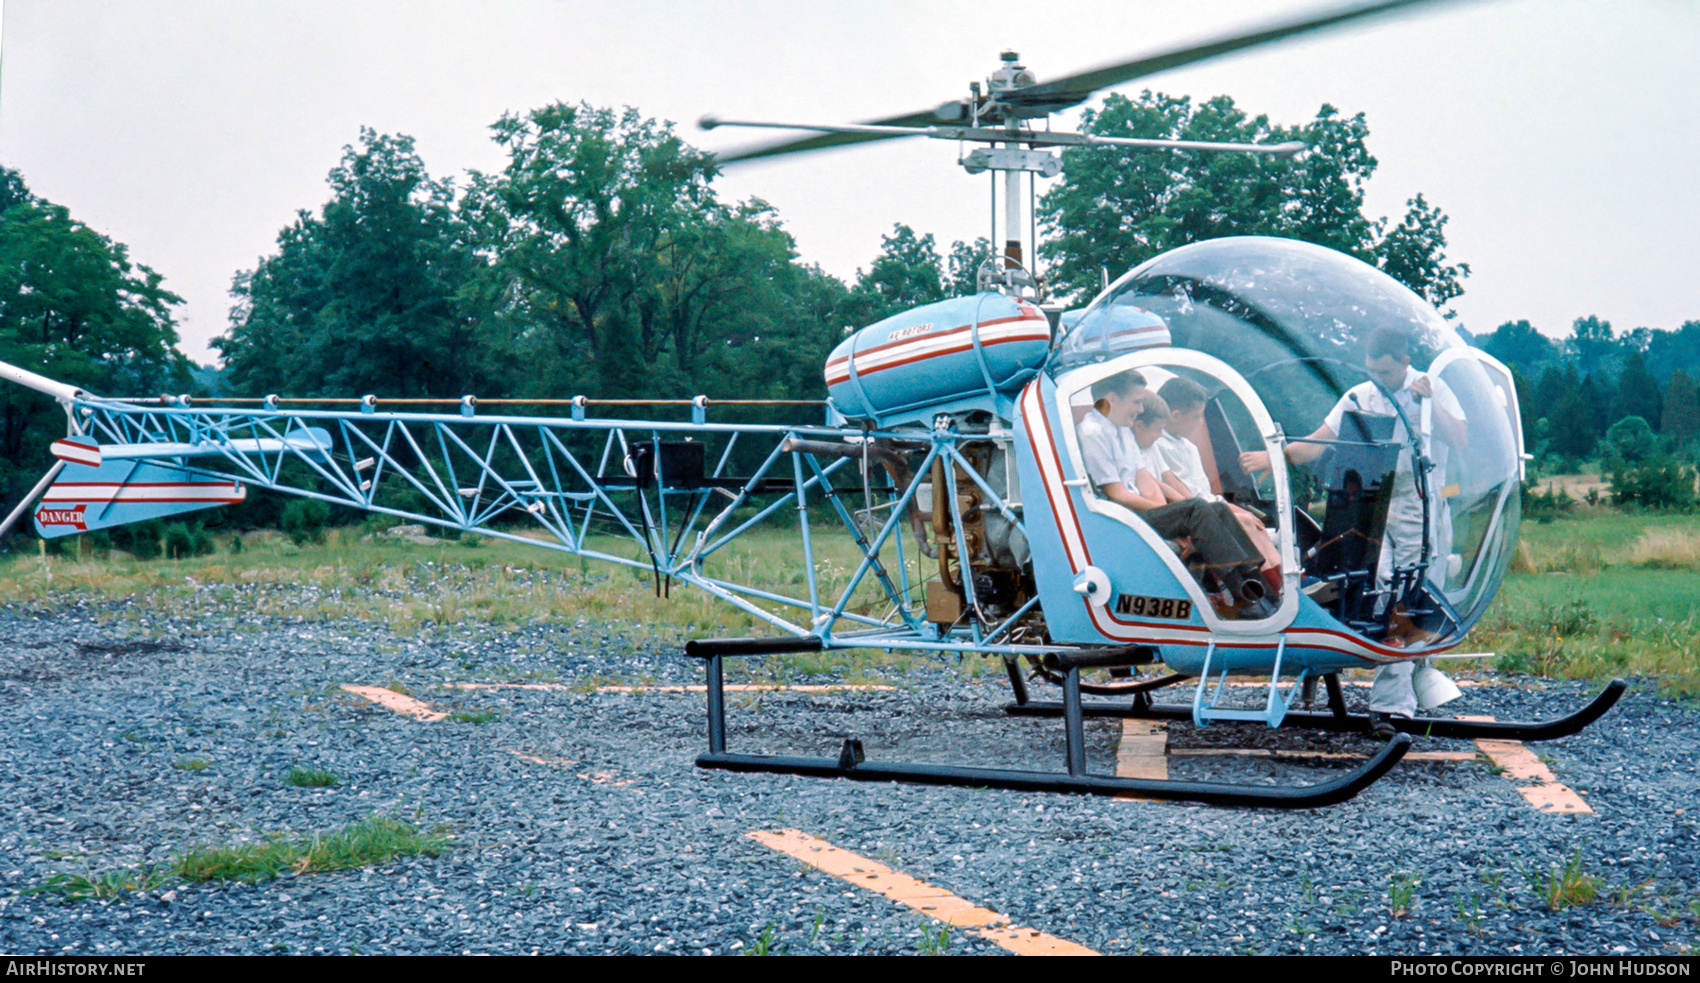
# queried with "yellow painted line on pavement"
point(1532, 779)
point(391, 700)
point(934, 902)
point(1144, 749)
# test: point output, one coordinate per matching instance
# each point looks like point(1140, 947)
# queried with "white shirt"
point(1112, 455)
point(1371, 399)
point(1180, 455)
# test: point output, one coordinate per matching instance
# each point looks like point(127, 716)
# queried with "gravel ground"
point(615, 843)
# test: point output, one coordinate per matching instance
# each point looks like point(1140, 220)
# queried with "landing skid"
point(852, 764)
point(1336, 718)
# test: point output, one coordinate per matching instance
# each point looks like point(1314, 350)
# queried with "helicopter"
point(952, 441)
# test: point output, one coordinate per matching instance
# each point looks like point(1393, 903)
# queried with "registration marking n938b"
point(1176, 608)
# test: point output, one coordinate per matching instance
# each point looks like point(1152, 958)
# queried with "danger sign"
point(51, 516)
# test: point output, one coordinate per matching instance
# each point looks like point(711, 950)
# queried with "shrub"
point(1545, 506)
point(180, 541)
point(1632, 440)
point(1659, 484)
point(304, 520)
point(139, 539)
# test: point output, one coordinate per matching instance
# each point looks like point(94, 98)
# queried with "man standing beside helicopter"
point(1118, 468)
point(1398, 392)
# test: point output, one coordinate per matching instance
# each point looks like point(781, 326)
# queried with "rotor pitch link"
point(1210, 793)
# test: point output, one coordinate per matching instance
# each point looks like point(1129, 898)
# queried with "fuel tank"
point(986, 345)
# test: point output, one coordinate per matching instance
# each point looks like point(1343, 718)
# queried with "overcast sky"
point(1562, 137)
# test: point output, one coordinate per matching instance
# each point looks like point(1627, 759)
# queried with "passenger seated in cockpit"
point(1118, 468)
point(1180, 467)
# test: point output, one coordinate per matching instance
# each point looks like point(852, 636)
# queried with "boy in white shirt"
point(1181, 467)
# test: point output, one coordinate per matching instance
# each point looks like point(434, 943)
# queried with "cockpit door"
point(1107, 575)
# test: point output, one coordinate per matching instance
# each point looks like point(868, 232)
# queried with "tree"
point(1519, 345)
point(1631, 440)
point(907, 273)
point(1673, 351)
point(1570, 423)
point(1414, 253)
point(1637, 393)
point(1115, 209)
point(1590, 342)
point(962, 266)
point(73, 307)
point(743, 317)
point(1594, 396)
point(1682, 409)
point(365, 297)
point(577, 227)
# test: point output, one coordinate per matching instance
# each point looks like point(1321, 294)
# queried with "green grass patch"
point(309, 777)
point(1609, 594)
point(502, 583)
point(191, 764)
point(474, 716)
point(374, 840)
point(1568, 886)
point(1598, 594)
point(110, 886)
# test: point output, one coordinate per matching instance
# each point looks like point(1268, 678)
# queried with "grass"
point(309, 777)
point(474, 716)
point(408, 587)
point(1566, 886)
point(1598, 595)
point(110, 886)
point(373, 840)
point(1401, 891)
point(934, 942)
point(1603, 595)
point(765, 943)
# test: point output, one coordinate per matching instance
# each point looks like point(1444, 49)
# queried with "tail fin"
point(119, 492)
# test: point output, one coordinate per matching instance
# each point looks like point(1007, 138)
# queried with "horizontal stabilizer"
point(314, 443)
point(120, 492)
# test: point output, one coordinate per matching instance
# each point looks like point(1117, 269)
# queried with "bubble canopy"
point(1293, 319)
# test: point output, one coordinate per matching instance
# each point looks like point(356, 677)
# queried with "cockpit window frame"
point(1071, 381)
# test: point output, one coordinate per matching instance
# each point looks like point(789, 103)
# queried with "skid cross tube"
point(852, 764)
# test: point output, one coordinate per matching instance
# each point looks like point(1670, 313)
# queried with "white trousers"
point(1401, 546)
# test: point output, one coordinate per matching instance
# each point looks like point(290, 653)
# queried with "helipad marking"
point(934, 902)
point(1142, 753)
point(1535, 782)
point(391, 700)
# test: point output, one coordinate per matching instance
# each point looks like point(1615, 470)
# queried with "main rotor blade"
point(1074, 89)
point(820, 141)
point(1077, 88)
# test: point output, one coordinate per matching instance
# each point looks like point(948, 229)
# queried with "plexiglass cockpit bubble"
point(1294, 321)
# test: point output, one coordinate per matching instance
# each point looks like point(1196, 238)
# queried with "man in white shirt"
point(1388, 361)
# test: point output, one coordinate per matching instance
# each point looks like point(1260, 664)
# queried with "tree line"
point(600, 261)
